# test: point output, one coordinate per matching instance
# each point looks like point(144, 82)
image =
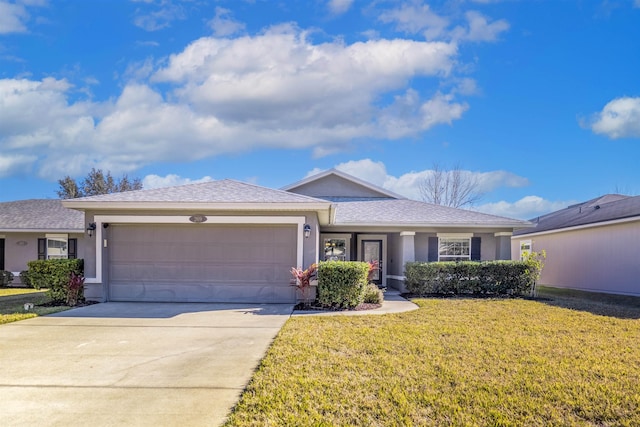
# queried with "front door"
point(372, 252)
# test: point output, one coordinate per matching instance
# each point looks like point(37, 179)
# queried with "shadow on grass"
point(618, 306)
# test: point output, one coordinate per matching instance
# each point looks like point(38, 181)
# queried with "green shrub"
point(25, 279)
point(54, 274)
point(6, 277)
point(469, 277)
point(373, 294)
point(342, 284)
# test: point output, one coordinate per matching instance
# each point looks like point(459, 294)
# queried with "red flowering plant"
point(302, 280)
point(373, 267)
point(74, 289)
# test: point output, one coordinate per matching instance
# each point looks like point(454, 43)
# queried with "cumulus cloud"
point(170, 180)
point(414, 18)
point(526, 208)
point(223, 24)
point(620, 118)
point(276, 89)
point(408, 184)
point(12, 18)
point(338, 7)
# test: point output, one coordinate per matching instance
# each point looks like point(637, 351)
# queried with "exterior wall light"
point(91, 228)
point(307, 230)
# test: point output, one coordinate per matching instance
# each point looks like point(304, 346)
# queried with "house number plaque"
point(198, 218)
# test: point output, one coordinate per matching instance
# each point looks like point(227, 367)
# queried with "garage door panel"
point(208, 263)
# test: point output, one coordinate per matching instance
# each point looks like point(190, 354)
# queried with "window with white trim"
point(525, 248)
point(454, 249)
point(57, 246)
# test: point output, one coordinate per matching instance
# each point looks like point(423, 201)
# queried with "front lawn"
point(486, 362)
point(12, 302)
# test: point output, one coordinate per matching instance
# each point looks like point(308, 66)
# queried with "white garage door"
point(201, 263)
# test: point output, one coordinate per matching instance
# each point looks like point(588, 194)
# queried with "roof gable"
point(338, 186)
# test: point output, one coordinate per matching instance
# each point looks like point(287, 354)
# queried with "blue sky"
point(538, 100)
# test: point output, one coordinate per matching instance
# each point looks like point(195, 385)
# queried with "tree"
point(96, 182)
point(455, 188)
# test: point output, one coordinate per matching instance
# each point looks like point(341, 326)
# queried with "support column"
point(408, 253)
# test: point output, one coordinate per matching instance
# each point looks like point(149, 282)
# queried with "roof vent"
point(596, 207)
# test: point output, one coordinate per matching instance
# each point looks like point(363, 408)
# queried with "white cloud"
point(479, 28)
point(161, 17)
point(223, 24)
point(338, 7)
point(12, 18)
point(170, 180)
point(276, 89)
point(408, 184)
point(636, 3)
point(416, 18)
point(526, 208)
point(15, 164)
point(620, 118)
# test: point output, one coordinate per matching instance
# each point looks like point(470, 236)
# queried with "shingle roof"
point(402, 212)
point(222, 191)
point(606, 208)
point(39, 214)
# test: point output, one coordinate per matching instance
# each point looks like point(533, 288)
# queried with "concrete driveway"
point(133, 364)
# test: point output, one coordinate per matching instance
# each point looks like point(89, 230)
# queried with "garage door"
point(201, 263)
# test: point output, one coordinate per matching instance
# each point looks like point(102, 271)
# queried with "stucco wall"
point(600, 259)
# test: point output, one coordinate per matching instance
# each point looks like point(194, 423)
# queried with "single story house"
point(38, 229)
point(229, 241)
point(591, 246)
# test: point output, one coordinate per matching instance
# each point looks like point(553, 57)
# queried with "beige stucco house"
point(591, 246)
point(228, 241)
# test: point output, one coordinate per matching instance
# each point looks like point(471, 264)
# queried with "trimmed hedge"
point(55, 275)
point(469, 277)
point(342, 284)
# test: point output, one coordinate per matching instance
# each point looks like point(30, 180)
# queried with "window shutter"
point(432, 254)
point(42, 248)
point(475, 249)
point(1, 254)
point(73, 248)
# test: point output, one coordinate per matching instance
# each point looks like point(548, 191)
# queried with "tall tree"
point(455, 188)
point(96, 182)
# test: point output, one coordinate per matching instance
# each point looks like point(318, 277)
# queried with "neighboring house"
point(38, 229)
point(591, 246)
point(228, 241)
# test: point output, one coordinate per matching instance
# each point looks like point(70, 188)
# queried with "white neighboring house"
point(591, 246)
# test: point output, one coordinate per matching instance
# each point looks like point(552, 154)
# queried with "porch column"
point(408, 254)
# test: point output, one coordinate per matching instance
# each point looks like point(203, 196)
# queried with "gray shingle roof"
point(401, 212)
point(606, 208)
point(39, 214)
point(222, 191)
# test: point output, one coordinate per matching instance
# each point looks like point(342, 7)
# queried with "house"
point(38, 229)
point(590, 246)
point(229, 241)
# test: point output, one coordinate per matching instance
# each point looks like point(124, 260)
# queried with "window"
point(454, 249)
point(525, 248)
point(335, 249)
point(57, 246)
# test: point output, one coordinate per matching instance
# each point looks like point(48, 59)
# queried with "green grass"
point(476, 362)
point(12, 302)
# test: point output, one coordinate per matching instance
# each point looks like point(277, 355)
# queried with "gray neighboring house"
point(38, 229)
point(228, 241)
point(591, 246)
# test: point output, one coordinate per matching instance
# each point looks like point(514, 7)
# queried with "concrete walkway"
point(133, 364)
point(393, 303)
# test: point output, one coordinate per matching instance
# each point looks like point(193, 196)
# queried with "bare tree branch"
point(455, 188)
